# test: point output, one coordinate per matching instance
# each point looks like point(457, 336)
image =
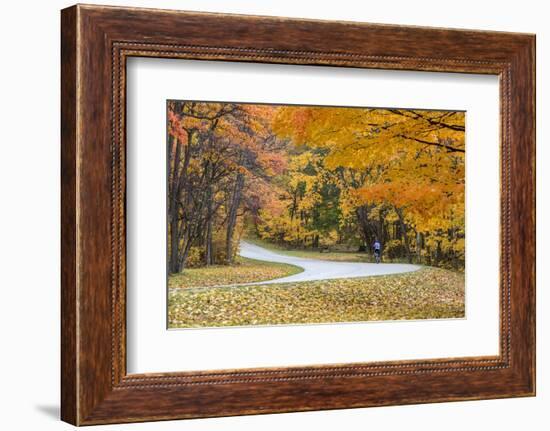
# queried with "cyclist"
point(377, 249)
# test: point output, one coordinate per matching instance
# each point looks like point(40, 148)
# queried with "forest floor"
point(429, 293)
point(243, 271)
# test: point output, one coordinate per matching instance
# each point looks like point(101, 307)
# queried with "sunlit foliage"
point(314, 178)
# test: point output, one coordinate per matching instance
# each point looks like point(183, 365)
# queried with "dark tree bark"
point(184, 254)
point(364, 225)
point(405, 237)
point(232, 216)
point(177, 183)
point(208, 253)
point(419, 243)
point(380, 228)
point(438, 253)
point(173, 207)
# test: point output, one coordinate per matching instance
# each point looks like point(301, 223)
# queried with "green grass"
point(243, 271)
point(428, 293)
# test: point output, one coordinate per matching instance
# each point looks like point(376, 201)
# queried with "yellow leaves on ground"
point(425, 294)
point(243, 271)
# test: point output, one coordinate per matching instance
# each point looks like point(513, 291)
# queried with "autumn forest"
point(311, 182)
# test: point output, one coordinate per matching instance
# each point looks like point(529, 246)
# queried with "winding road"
point(318, 269)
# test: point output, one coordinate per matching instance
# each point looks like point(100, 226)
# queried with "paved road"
point(318, 269)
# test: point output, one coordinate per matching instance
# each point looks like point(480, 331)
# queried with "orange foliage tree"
point(216, 150)
point(315, 177)
point(397, 169)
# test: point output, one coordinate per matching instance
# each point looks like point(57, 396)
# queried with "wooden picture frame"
point(96, 41)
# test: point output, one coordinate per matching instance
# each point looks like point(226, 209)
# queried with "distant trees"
point(399, 175)
point(311, 177)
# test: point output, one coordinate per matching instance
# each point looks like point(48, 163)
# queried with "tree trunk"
point(232, 217)
point(209, 252)
point(418, 247)
point(380, 228)
point(173, 209)
point(405, 237)
point(183, 257)
point(174, 246)
point(363, 221)
point(177, 183)
point(438, 253)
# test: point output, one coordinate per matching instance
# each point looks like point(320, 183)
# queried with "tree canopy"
point(311, 177)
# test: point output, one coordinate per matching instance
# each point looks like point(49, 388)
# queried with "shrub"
point(394, 249)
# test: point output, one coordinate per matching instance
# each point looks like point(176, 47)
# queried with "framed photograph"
point(293, 214)
point(266, 215)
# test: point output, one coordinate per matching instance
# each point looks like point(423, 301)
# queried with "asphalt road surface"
point(319, 269)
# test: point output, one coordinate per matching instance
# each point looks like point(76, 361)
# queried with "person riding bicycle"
point(377, 249)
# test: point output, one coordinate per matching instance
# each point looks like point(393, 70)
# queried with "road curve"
point(318, 269)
